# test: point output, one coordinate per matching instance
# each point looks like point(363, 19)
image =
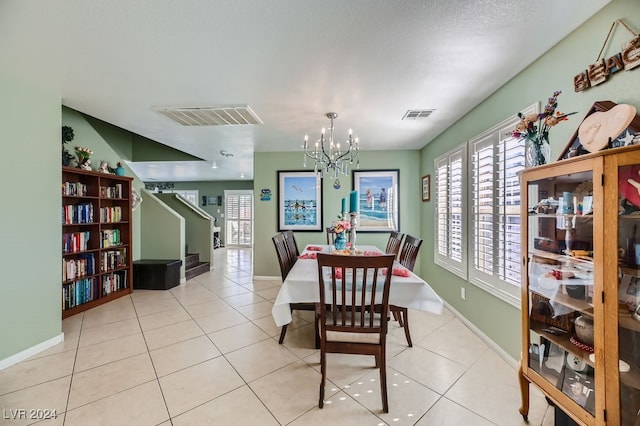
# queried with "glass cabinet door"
point(561, 284)
point(629, 292)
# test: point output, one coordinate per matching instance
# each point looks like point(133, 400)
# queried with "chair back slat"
point(394, 242)
point(331, 235)
point(292, 245)
point(409, 252)
point(350, 289)
point(284, 259)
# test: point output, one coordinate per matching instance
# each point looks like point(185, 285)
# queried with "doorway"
point(238, 218)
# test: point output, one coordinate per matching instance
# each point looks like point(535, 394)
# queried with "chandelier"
point(328, 156)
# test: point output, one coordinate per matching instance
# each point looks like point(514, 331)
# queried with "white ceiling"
point(290, 61)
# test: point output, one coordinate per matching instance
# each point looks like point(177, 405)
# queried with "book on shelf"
point(111, 191)
point(74, 189)
point(109, 238)
point(110, 214)
point(77, 213)
point(114, 282)
point(75, 242)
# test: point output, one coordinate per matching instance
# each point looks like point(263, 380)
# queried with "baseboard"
point(497, 349)
point(267, 278)
point(27, 353)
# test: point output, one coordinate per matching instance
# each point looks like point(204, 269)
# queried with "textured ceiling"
point(290, 61)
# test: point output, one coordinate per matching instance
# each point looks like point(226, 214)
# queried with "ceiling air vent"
point(417, 114)
point(238, 115)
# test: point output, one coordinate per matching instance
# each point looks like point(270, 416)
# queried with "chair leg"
point(317, 331)
point(383, 382)
point(323, 370)
point(282, 333)
point(397, 317)
point(405, 319)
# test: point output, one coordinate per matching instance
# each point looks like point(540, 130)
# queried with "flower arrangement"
point(340, 226)
point(534, 129)
point(83, 154)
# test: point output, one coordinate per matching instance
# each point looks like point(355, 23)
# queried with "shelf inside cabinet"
point(561, 340)
point(583, 306)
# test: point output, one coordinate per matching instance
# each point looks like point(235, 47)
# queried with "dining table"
point(407, 290)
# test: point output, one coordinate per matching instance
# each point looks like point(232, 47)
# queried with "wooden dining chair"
point(354, 301)
point(331, 236)
point(407, 258)
point(286, 260)
point(394, 242)
point(292, 245)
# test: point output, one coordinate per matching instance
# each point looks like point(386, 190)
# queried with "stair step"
point(198, 269)
point(191, 259)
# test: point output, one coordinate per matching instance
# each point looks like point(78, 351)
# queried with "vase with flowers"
point(340, 227)
point(83, 157)
point(534, 130)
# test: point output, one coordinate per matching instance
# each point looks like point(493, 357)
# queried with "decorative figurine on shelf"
point(119, 170)
point(67, 136)
point(85, 164)
point(104, 167)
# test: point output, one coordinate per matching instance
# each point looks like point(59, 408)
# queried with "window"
point(190, 195)
point(239, 218)
point(450, 192)
point(492, 251)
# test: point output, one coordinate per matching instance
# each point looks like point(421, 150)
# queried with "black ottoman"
point(156, 274)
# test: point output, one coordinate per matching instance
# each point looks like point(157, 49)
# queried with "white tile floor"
point(207, 352)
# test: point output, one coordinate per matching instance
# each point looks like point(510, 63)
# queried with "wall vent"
point(417, 114)
point(238, 115)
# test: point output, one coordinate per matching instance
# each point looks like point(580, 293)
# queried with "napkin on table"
point(308, 256)
point(398, 271)
point(314, 248)
point(372, 253)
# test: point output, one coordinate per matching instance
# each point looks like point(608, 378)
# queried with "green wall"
point(266, 166)
point(553, 71)
point(30, 227)
point(214, 188)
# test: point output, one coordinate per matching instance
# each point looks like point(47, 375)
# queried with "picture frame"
point(299, 201)
point(629, 291)
point(379, 198)
point(426, 188)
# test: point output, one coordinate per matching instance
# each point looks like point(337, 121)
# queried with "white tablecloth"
point(301, 285)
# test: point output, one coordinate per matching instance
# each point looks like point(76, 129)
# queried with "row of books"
point(74, 189)
point(79, 292)
point(110, 238)
point(77, 213)
point(113, 259)
point(114, 282)
point(111, 191)
point(110, 214)
point(75, 242)
point(81, 266)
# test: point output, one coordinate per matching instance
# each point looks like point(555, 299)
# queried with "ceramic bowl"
point(584, 329)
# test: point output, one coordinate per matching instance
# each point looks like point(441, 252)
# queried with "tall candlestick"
point(353, 202)
point(344, 205)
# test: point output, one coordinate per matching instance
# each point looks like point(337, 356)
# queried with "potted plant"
point(67, 136)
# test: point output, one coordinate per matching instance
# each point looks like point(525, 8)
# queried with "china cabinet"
point(581, 290)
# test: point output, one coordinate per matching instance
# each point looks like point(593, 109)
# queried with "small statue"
point(104, 167)
point(85, 164)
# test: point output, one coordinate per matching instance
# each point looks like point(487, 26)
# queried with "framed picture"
point(629, 291)
point(426, 187)
point(299, 201)
point(379, 199)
